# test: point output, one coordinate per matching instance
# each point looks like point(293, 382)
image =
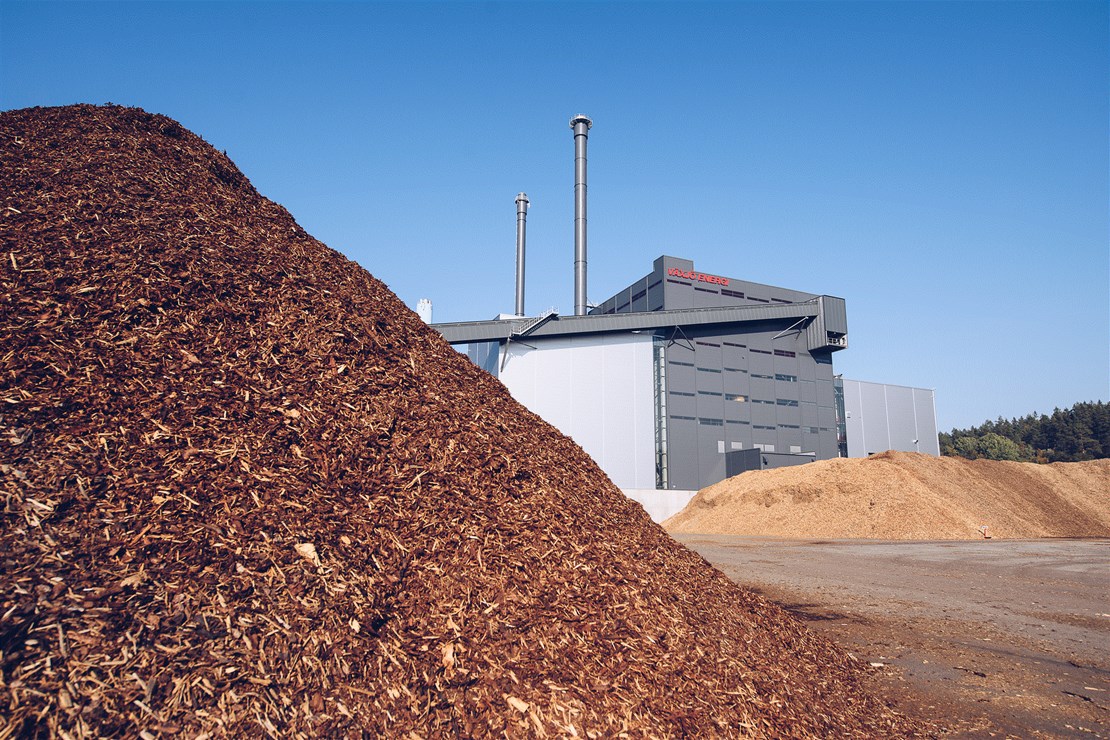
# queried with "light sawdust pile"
point(246, 492)
point(904, 495)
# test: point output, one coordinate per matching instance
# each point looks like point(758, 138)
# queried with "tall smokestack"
point(581, 125)
point(521, 214)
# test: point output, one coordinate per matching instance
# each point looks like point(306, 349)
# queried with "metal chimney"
point(581, 125)
point(521, 215)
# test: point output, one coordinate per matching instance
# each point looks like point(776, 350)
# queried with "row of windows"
point(737, 397)
point(705, 290)
point(761, 351)
point(734, 344)
point(787, 378)
point(707, 344)
point(710, 422)
point(731, 293)
point(760, 375)
point(785, 353)
point(708, 370)
point(735, 370)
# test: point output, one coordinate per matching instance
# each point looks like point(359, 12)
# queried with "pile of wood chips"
point(906, 496)
point(246, 491)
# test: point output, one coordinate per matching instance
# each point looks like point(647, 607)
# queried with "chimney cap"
point(581, 119)
point(521, 197)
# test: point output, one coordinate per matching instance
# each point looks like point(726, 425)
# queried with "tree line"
point(1069, 435)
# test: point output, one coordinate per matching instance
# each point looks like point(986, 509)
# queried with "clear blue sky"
point(943, 166)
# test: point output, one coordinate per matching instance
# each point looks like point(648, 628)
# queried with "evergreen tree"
point(1067, 435)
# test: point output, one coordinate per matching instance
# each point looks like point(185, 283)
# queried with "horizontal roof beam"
point(503, 329)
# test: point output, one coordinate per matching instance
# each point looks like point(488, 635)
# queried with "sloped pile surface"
point(905, 495)
point(247, 492)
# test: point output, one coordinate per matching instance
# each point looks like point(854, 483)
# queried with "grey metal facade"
point(765, 384)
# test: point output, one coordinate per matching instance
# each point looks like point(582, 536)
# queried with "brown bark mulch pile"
point(247, 492)
point(906, 496)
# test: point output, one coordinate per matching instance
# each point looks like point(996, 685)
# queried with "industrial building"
point(686, 377)
point(660, 382)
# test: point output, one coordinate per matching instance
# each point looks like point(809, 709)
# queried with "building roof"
point(553, 325)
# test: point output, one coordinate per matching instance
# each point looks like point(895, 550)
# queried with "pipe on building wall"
point(581, 125)
point(521, 215)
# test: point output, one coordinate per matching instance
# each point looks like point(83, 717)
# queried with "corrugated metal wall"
point(883, 417)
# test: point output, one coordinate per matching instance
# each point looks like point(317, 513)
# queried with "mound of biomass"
point(246, 491)
point(906, 496)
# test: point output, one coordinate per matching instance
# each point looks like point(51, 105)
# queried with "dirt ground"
point(982, 639)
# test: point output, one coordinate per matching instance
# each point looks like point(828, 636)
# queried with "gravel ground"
point(983, 639)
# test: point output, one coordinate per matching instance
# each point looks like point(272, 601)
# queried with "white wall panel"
point(596, 390)
point(884, 417)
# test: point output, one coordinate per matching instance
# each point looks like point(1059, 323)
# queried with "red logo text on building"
point(698, 277)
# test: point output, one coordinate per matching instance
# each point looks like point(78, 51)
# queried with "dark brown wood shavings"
point(247, 492)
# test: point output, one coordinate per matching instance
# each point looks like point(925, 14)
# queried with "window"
point(711, 422)
point(682, 393)
point(639, 295)
point(677, 282)
point(735, 397)
point(684, 418)
point(761, 351)
point(708, 370)
point(706, 344)
point(737, 421)
point(708, 393)
point(622, 307)
point(789, 426)
point(786, 402)
point(760, 375)
point(762, 426)
point(781, 300)
point(735, 370)
point(731, 293)
point(705, 290)
point(787, 378)
point(761, 300)
point(760, 400)
point(785, 353)
point(680, 363)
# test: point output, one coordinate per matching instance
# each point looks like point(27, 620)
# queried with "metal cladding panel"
point(889, 417)
point(599, 392)
point(836, 315)
point(926, 417)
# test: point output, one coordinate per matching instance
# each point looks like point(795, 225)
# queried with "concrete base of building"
point(660, 505)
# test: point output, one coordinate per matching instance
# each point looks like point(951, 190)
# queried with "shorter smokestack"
point(521, 215)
